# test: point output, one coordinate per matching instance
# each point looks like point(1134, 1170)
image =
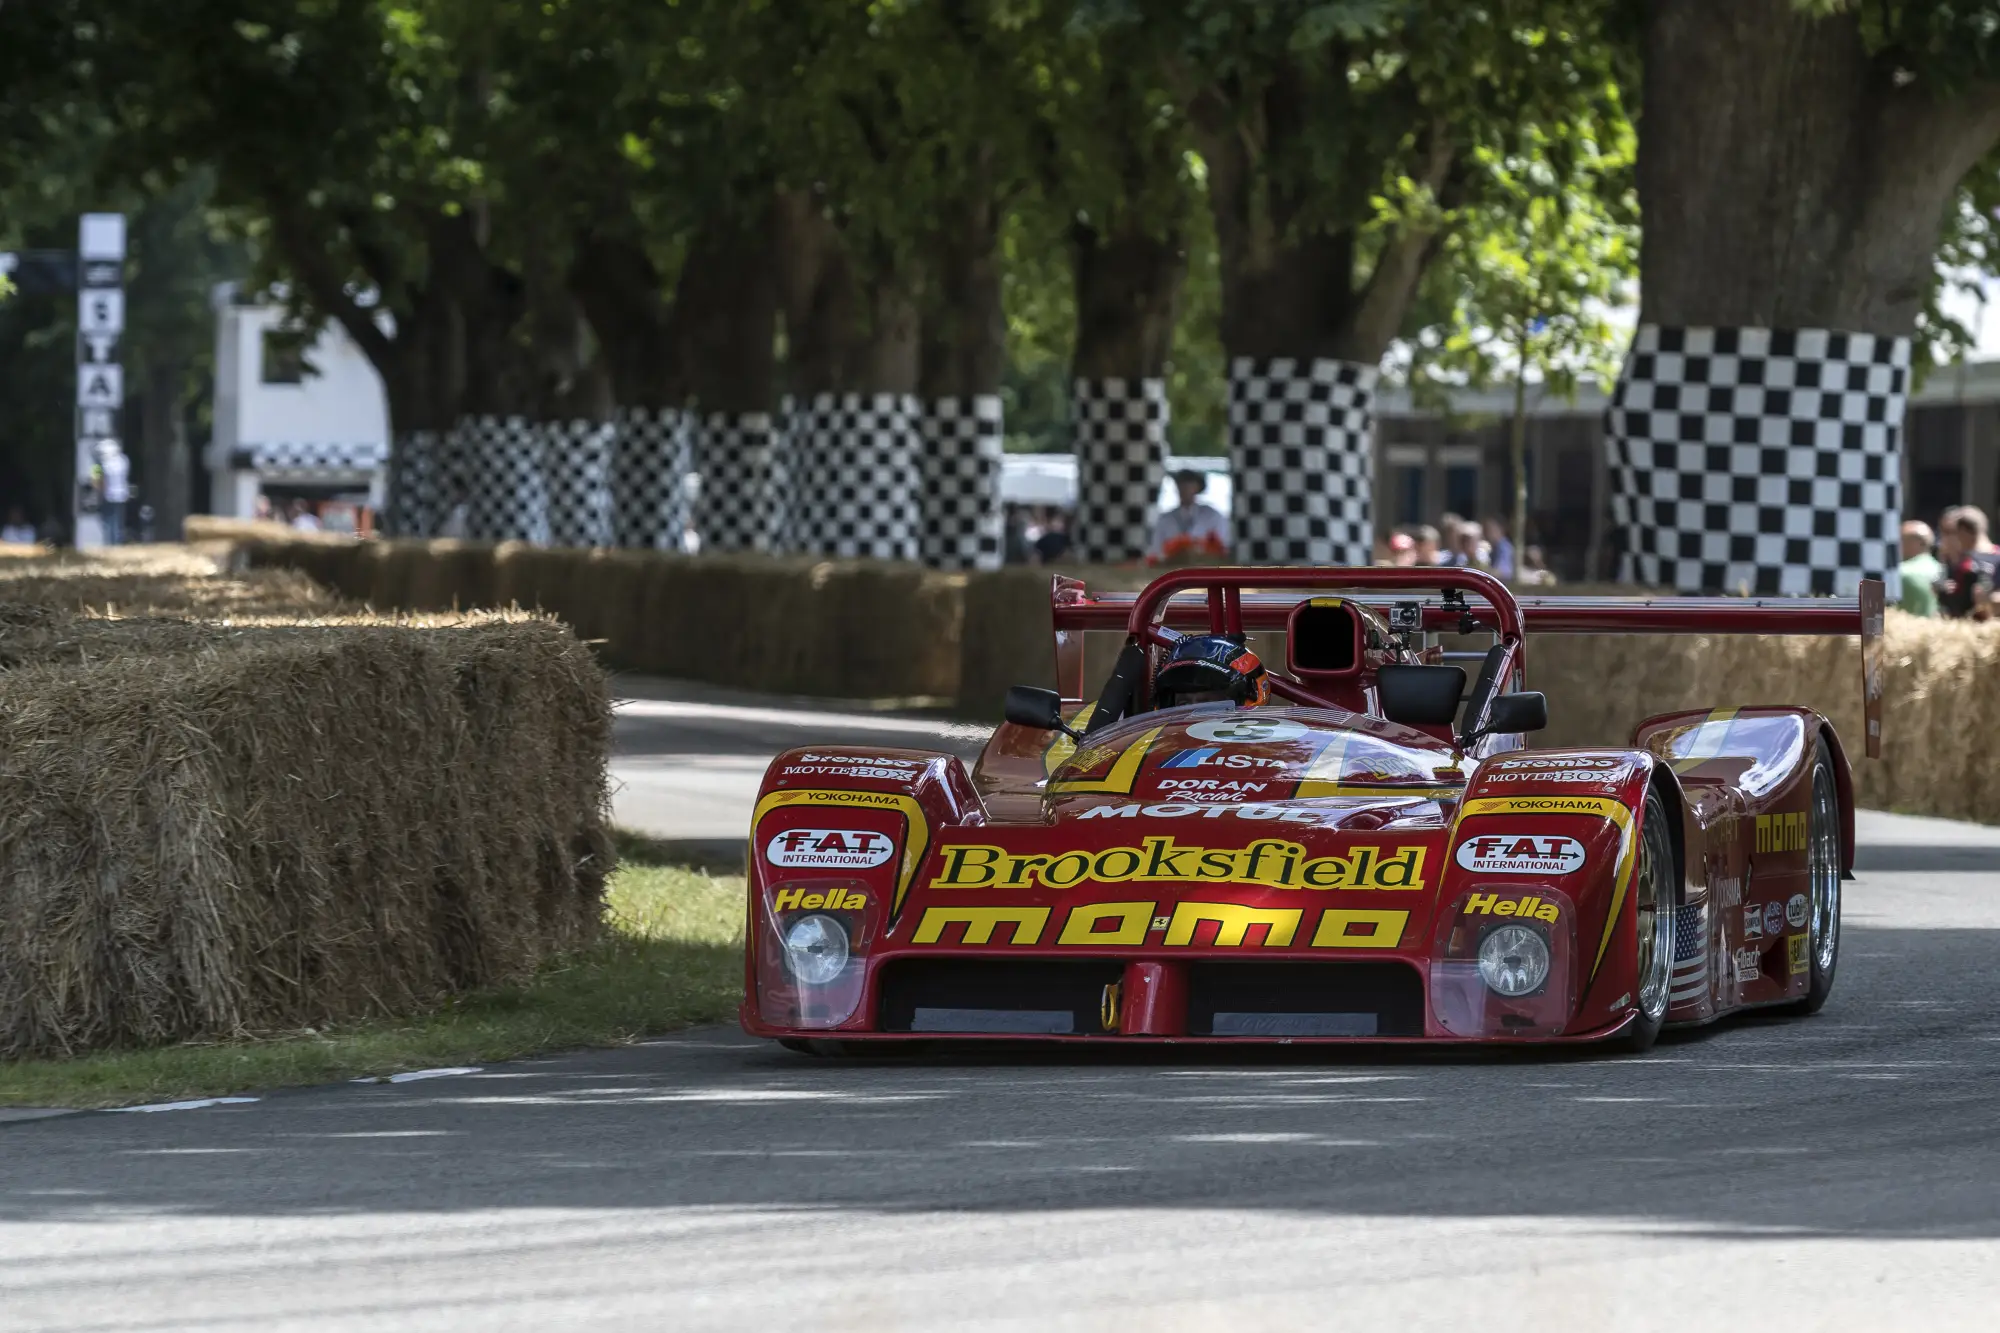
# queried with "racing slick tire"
point(1655, 899)
point(1823, 882)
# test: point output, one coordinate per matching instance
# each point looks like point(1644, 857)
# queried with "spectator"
point(1192, 529)
point(114, 483)
point(1971, 562)
point(1534, 570)
point(263, 510)
point(1501, 556)
point(1053, 543)
point(1426, 553)
point(1402, 549)
point(303, 518)
point(1919, 570)
point(18, 531)
point(1468, 546)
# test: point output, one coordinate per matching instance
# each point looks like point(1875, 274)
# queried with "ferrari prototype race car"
point(1359, 845)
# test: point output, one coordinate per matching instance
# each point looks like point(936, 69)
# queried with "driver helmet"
point(1211, 668)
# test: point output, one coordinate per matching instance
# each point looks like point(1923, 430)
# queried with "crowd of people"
point(1954, 571)
point(1467, 543)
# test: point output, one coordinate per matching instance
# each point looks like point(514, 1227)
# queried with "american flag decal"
point(1690, 977)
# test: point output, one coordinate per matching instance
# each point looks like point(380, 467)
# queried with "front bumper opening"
point(994, 996)
point(1377, 999)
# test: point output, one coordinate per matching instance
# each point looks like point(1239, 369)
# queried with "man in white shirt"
point(114, 480)
point(1192, 529)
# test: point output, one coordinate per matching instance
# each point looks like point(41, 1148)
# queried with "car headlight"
point(816, 949)
point(1514, 960)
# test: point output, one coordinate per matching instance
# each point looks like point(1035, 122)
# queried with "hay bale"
point(219, 830)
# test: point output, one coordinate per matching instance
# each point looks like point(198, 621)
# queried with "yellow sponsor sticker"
point(1800, 955)
point(1781, 833)
point(1270, 862)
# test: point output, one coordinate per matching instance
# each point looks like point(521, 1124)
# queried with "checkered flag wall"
point(415, 501)
point(1759, 459)
point(506, 497)
point(857, 481)
point(654, 455)
point(741, 503)
point(963, 523)
point(1120, 428)
point(1302, 459)
point(576, 471)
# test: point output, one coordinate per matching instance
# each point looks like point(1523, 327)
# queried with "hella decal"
point(806, 900)
point(1162, 860)
point(830, 849)
point(1247, 730)
point(1795, 909)
point(1492, 904)
point(1520, 854)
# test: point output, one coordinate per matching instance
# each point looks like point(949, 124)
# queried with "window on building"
point(283, 357)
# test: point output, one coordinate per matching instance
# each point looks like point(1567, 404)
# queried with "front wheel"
point(1655, 899)
point(1822, 883)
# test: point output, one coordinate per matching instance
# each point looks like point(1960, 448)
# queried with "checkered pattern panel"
point(963, 523)
point(654, 457)
point(313, 456)
point(1302, 458)
point(415, 501)
point(506, 496)
point(737, 509)
point(857, 482)
point(1766, 460)
point(576, 469)
point(1120, 428)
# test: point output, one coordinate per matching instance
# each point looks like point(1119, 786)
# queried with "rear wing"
point(1462, 601)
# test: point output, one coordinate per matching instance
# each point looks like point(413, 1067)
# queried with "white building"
point(291, 420)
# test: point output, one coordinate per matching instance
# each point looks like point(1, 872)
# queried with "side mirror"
point(1041, 709)
point(1524, 710)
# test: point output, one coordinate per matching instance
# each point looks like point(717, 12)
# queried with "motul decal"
point(1520, 854)
point(830, 849)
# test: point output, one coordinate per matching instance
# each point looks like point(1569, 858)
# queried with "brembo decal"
point(1162, 860)
point(1190, 925)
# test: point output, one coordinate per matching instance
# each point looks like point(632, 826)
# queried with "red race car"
point(1360, 847)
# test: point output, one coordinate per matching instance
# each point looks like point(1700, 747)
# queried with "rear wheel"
point(1822, 882)
point(1655, 899)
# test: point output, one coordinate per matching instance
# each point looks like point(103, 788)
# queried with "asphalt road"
point(1841, 1172)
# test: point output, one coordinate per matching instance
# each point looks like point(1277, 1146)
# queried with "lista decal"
point(1520, 854)
point(1213, 757)
point(1160, 860)
point(1796, 910)
point(1753, 921)
point(1795, 949)
point(830, 849)
point(1774, 918)
point(1190, 925)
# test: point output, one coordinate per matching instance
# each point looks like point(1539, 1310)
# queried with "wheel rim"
point(1653, 904)
point(1824, 870)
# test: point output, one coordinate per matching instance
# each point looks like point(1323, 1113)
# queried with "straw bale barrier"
point(212, 828)
point(842, 629)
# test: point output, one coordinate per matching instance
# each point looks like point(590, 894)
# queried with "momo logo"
point(1781, 833)
point(1492, 904)
point(1268, 861)
point(1247, 730)
point(1520, 854)
point(830, 848)
point(1214, 757)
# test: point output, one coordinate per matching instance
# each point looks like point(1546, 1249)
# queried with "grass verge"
point(673, 957)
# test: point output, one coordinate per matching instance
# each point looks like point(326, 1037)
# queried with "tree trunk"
point(964, 355)
point(163, 449)
point(1789, 180)
point(624, 297)
point(1128, 285)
